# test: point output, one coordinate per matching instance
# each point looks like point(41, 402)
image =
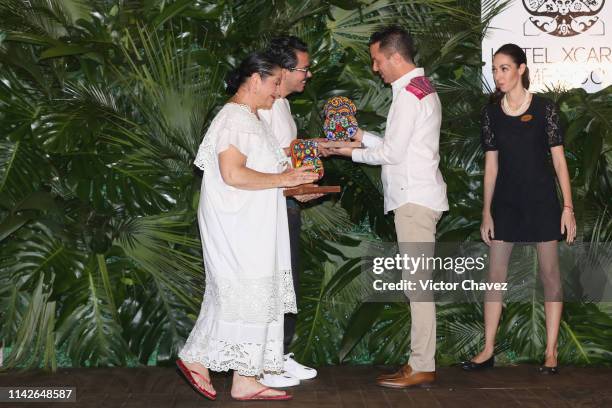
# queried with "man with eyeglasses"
point(291, 53)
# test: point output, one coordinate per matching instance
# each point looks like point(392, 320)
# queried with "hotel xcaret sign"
point(568, 42)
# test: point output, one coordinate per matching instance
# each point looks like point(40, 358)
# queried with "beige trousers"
point(415, 226)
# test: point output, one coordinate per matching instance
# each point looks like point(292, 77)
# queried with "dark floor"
point(344, 386)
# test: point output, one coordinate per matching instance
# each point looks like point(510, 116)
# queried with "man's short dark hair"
point(284, 50)
point(395, 39)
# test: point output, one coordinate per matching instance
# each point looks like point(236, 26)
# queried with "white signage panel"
point(568, 42)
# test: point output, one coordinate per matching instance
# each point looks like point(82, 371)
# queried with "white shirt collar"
point(404, 80)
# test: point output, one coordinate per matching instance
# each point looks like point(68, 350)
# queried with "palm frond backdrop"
point(102, 108)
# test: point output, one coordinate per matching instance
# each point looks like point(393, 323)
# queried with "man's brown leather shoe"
point(406, 377)
point(403, 371)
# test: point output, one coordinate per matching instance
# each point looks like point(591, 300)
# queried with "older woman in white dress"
point(243, 226)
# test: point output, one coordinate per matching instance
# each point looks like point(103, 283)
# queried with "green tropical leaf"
point(359, 325)
point(64, 50)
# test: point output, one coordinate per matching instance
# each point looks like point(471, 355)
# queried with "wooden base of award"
point(339, 143)
point(310, 189)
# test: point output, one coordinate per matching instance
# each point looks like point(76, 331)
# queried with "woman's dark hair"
point(394, 38)
point(518, 56)
point(255, 63)
point(284, 50)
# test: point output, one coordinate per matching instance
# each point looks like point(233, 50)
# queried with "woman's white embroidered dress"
point(245, 241)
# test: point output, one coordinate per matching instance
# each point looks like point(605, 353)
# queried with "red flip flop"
point(189, 376)
point(258, 397)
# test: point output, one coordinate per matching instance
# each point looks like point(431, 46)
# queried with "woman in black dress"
point(519, 129)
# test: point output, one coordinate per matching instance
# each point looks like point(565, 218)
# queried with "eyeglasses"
point(304, 70)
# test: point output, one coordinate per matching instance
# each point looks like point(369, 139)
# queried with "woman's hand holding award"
point(305, 152)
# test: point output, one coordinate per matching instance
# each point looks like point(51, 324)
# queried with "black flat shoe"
point(472, 366)
point(548, 370)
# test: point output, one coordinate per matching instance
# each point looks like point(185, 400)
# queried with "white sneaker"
point(298, 370)
point(281, 380)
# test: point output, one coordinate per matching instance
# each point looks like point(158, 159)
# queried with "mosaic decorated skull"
point(340, 121)
point(340, 127)
point(304, 153)
point(340, 104)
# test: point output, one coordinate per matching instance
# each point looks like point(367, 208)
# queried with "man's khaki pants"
point(415, 226)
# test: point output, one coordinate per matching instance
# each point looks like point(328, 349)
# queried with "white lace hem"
point(251, 349)
point(219, 355)
point(233, 333)
point(255, 300)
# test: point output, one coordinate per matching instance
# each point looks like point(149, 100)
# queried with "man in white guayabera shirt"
point(412, 183)
point(291, 54)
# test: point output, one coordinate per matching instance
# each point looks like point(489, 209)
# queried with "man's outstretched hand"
point(336, 151)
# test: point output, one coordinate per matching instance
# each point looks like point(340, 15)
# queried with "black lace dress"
point(525, 207)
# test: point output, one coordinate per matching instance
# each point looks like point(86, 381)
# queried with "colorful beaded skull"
point(340, 122)
point(340, 104)
point(304, 153)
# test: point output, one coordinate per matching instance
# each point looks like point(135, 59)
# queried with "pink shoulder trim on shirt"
point(420, 87)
